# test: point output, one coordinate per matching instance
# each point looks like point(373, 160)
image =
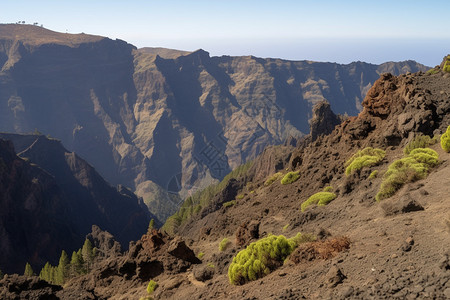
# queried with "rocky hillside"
point(159, 120)
point(351, 245)
point(49, 200)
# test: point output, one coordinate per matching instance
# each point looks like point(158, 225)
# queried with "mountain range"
point(165, 123)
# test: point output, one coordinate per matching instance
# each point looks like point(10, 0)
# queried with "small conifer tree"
point(62, 272)
point(76, 264)
point(151, 225)
point(28, 270)
point(88, 254)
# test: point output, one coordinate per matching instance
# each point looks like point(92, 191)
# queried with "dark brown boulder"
point(247, 232)
point(180, 250)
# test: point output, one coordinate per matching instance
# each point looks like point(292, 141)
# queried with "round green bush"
point(290, 177)
point(408, 169)
point(445, 140)
point(364, 158)
point(320, 198)
point(426, 156)
point(260, 258)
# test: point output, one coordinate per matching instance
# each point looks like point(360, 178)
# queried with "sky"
point(337, 31)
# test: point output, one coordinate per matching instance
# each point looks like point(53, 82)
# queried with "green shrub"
point(229, 203)
point(152, 285)
point(328, 189)
point(432, 71)
point(211, 265)
point(447, 65)
point(408, 169)
point(426, 156)
point(285, 227)
point(200, 255)
point(301, 238)
point(260, 258)
point(273, 178)
point(364, 158)
point(373, 175)
point(421, 141)
point(240, 197)
point(320, 198)
point(445, 140)
point(224, 244)
point(290, 177)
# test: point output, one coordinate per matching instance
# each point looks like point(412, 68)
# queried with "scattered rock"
point(334, 277)
point(403, 204)
point(407, 244)
point(178, 248)
point(247, 232)
point(203, 273)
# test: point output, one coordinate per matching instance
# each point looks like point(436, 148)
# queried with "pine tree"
point(76, 264)
point(151, 225)
point(63, 269)
point(28, 270)
point(45, 273)
point(88, 255)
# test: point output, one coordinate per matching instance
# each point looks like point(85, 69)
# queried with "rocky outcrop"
point(323, 120)
point(124, 274)
point(153, 117)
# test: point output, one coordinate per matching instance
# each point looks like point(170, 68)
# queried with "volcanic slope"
point(393, 249)
point(398, 246)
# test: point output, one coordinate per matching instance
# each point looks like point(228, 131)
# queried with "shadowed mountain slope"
point(50, 200)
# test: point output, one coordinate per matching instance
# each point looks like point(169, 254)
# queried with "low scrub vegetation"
point(151, 287)
point(367, 157)
point(290, 177)
point(328, 189)
point(320, 249)
point(421, 141)
point(373, 175)
point(224, 244)
point(447, 64)
point(320, 198)
point(445, 140)
point(200, 255)
point(229, 203)
point(273, 178)
point(413, 167)
point(261, 257)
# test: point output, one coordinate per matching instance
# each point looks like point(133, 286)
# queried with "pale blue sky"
point(341, 31)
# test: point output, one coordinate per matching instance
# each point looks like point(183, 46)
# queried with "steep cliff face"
point(157, 119)
point(50, 198)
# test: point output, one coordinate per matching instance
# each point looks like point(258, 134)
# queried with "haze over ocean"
point(336, 31)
